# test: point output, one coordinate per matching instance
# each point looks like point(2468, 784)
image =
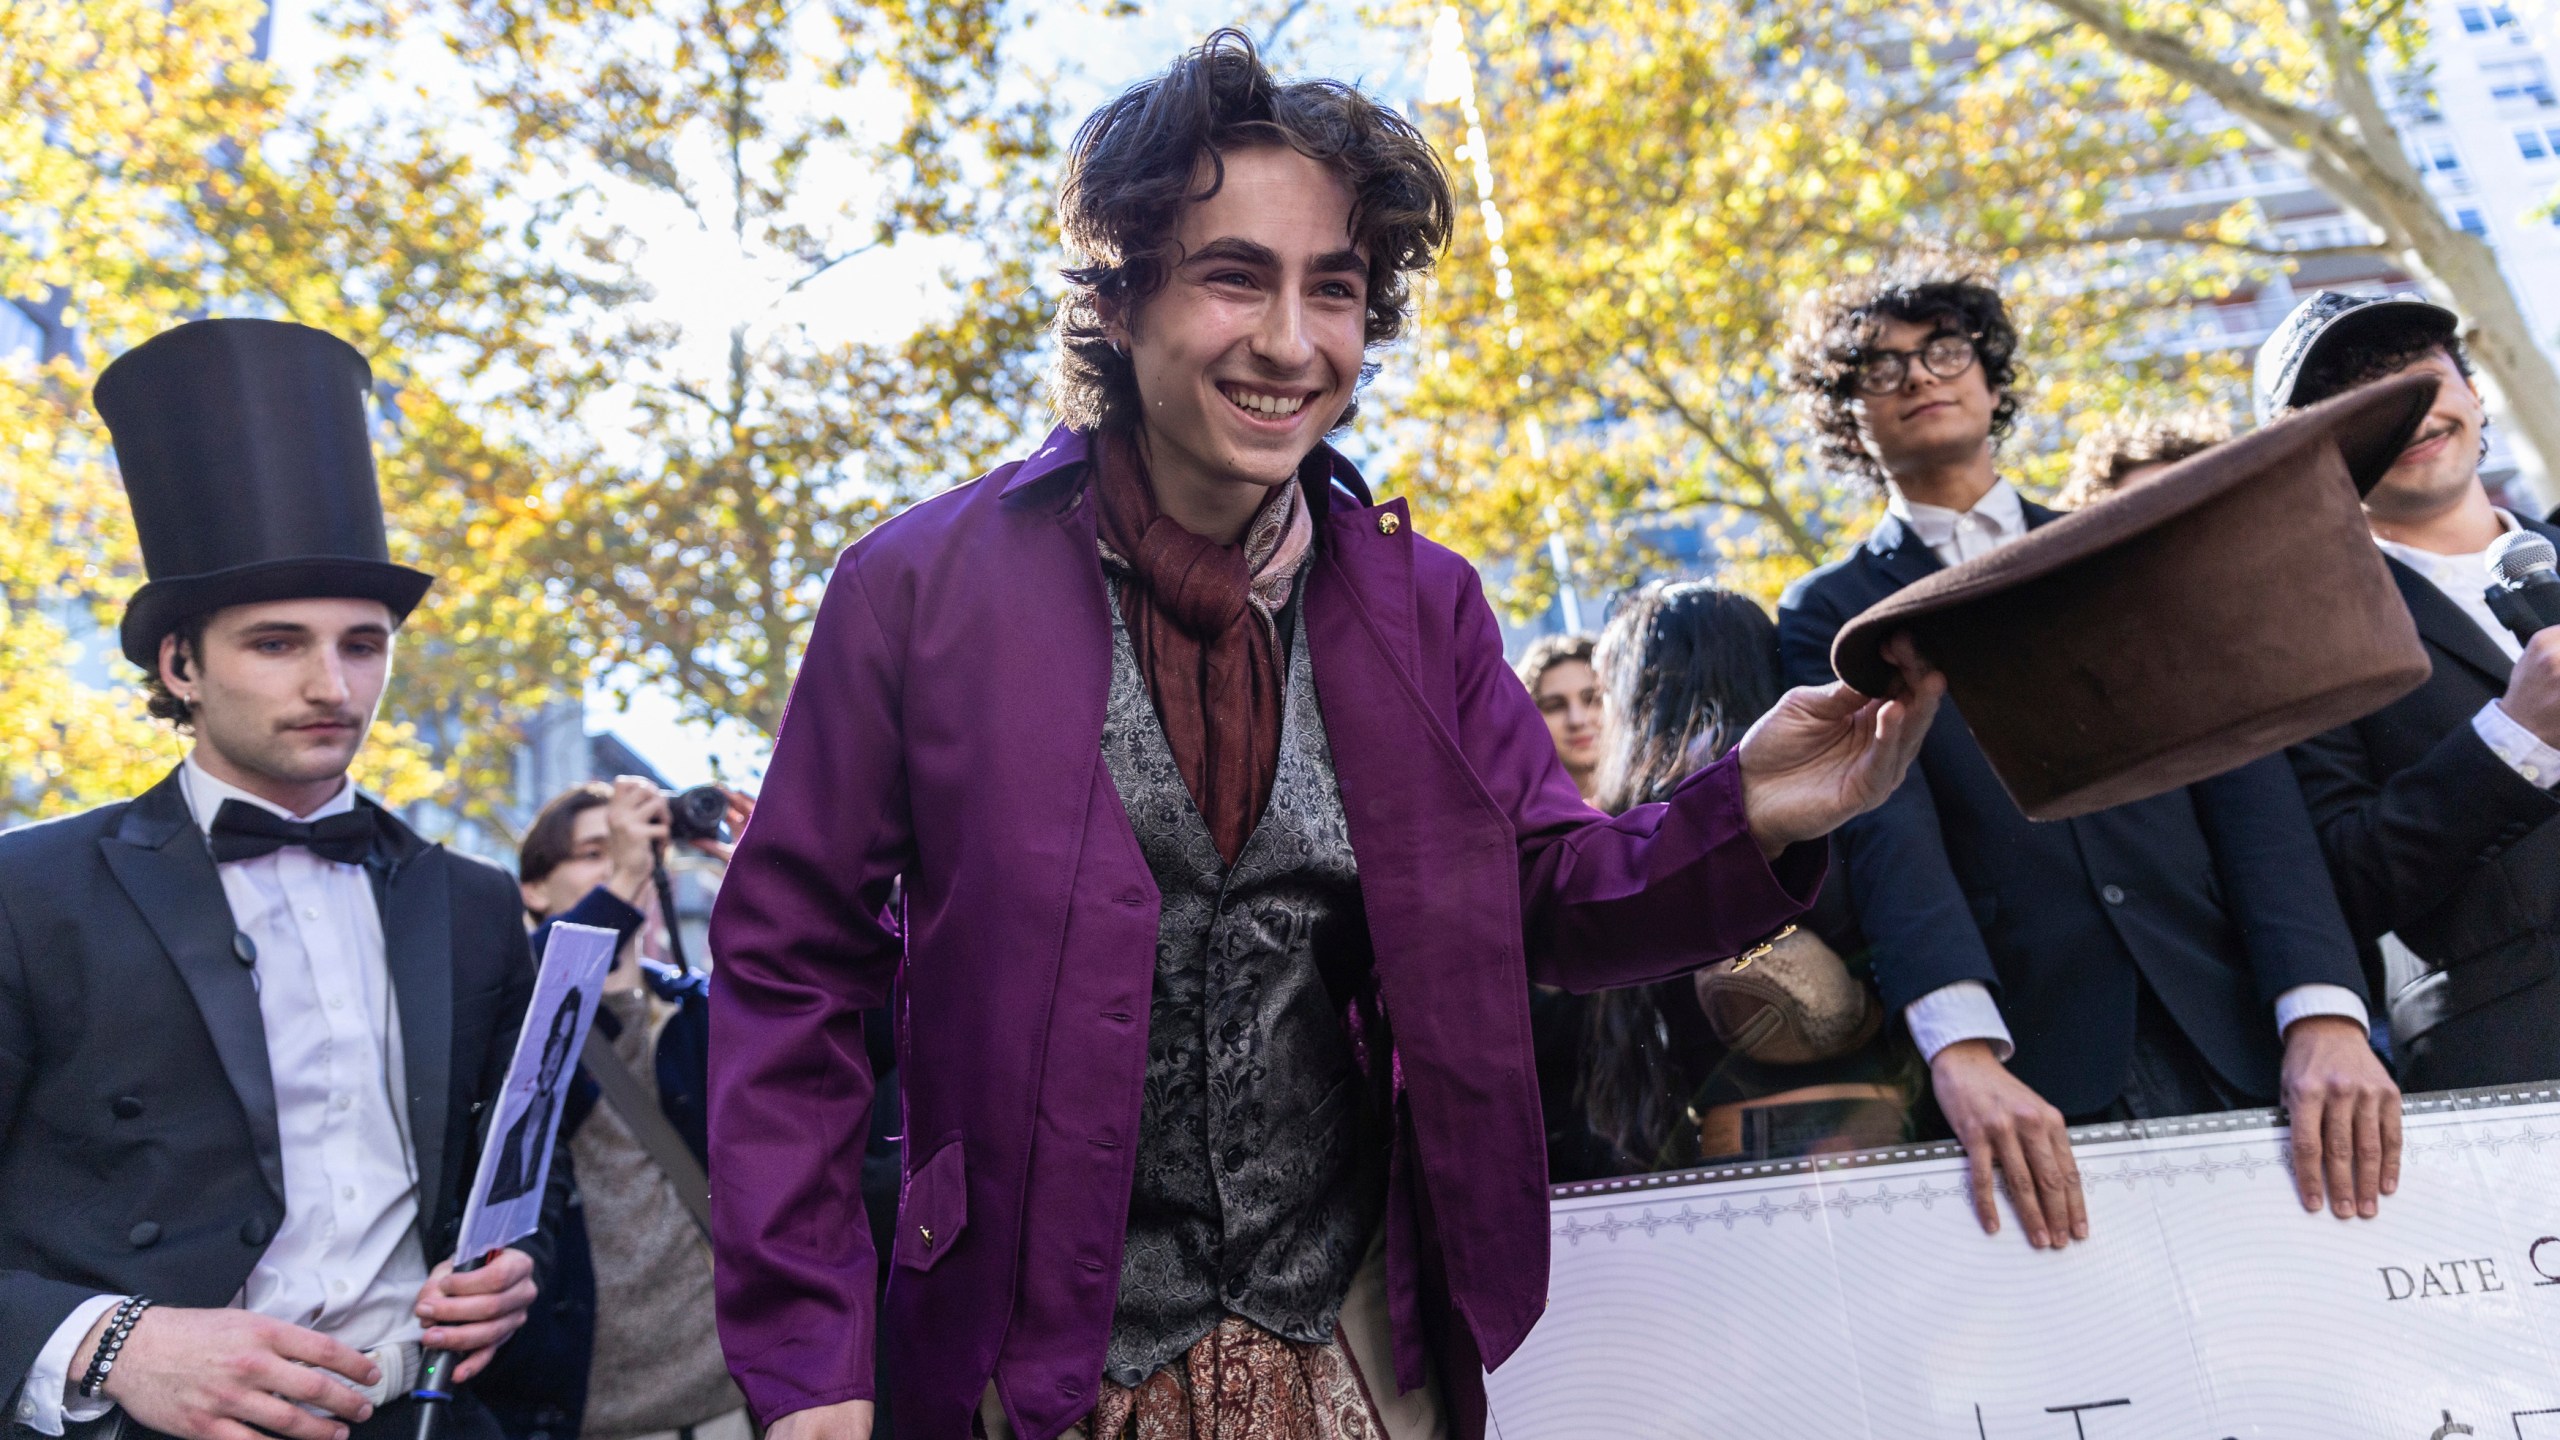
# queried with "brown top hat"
point(2224, 609)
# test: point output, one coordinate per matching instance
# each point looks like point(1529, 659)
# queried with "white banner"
point(1858, 1297)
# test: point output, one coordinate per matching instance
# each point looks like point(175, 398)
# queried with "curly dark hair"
point(2129, 442)
point(1835, 325)
point(2382, 350)
point(164, 703)
point(1134, 167)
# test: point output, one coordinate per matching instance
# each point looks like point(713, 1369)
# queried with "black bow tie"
point(245, 832)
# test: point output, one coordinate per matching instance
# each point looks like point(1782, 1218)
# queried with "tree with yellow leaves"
point(701, 473)
point(1668, 177)
point(155, 170)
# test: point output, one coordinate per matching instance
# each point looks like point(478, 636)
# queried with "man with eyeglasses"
point(2177, 955)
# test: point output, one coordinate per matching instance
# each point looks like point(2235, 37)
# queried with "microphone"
point(2524, 590)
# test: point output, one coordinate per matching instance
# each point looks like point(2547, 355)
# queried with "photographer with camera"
point(623, 1346)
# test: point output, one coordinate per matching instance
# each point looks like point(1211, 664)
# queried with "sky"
point(704, 282)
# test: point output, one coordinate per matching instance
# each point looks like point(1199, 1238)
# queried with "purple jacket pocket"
point(935, 1208)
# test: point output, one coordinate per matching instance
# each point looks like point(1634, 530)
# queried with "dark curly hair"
point(2382, 350)
point(164, 703)
point(1133, 170)
point(1835, 325)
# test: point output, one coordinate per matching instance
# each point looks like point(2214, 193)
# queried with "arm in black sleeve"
point(32, 1307)
point(2398, 847)
point(2270, 865)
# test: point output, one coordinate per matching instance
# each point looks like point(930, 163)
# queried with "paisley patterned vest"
point(1261, 1161)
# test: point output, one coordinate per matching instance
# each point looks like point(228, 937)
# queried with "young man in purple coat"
point(1229, 846)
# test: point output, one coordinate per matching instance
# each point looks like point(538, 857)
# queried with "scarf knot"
point(1200, 617)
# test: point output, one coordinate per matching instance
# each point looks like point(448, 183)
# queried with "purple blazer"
point(946, 727)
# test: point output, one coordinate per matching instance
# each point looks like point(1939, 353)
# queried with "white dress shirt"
point(346, 1261)
point(2464, 579)
point(1965, 1009)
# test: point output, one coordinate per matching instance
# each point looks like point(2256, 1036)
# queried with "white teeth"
point(1271, 405)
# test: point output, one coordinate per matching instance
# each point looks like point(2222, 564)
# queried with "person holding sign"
point(249, 1021)
point(1230, 848)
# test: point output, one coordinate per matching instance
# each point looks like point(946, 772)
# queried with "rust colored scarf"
point(1200, 619)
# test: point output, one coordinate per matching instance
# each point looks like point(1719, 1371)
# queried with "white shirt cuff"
point(2524, 751)
point(2303, 1001)
point(45, 1401)
point(1962, 1011)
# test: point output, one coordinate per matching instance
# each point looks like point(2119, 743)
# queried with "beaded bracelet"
point(111, 1344)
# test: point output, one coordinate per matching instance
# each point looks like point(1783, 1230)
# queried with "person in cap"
point(1230, 848)
point(2173, 955)
point(2435, 811)
point(249, 1020)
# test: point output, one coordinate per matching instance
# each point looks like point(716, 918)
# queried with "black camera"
point(697, 814)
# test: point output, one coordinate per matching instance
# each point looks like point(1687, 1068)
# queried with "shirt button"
point(339, 1101)
point(2531, 772)
point(336, 1003)
point(337, 1287)
point(1235, 1157)
point(2113, 894)
point(346, 1192)
point(310, 913)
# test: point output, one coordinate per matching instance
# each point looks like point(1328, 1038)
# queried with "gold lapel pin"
point(1388, 523)
point(928, 1236)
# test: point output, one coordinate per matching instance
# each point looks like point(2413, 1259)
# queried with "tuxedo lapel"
point(1901, 554)
point(417, 946)
point(2442, 624)
point(159, 857)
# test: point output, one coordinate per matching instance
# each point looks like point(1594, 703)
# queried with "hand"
point(474, 1312)
point(1999, 1120)
point(635, 826)
point(2345, 1113)
point(844, 1420)
point(215, 1374)
point(1824, 756)
point(2533, 687)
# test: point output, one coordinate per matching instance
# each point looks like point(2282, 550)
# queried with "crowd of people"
point(1173, 948)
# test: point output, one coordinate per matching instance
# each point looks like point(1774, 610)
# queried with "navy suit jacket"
point(2216, 894)
point(2432, 836)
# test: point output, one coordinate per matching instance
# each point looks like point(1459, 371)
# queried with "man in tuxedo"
point(2434, 811)
point(2175, 955)
point(249, 1021)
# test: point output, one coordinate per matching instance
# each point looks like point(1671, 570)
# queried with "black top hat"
point(2331, 318)
point(248, 462)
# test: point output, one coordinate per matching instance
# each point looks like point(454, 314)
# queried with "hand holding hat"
point(1824, 756)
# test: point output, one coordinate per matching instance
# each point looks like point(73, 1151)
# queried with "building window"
point(2470, 222)
point(2530, 142)
point(2515, 80)
point(2441, 158)
point(2472, 20)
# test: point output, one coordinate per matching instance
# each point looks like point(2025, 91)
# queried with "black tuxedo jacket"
point(2214, 894)
point(138, 1140)
point(2434, 837)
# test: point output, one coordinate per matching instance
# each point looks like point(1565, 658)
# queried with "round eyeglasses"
point(1945, 355)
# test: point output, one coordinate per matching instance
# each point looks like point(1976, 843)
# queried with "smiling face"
point(1930, 422)
point(283, 693)
point(1252, 350)
point(2441, 464)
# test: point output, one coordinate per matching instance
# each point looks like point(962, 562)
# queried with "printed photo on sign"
point(515, 1162)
